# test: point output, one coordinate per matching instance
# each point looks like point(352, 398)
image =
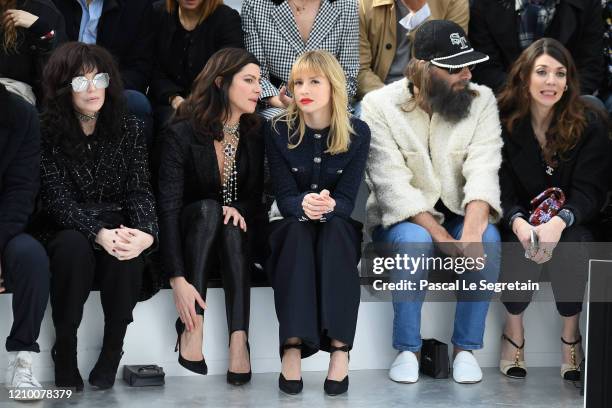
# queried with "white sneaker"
point(405, 368)
point(19, 375)
point(466, 369)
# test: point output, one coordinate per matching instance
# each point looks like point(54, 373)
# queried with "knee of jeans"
point(491, 234)
point(137, 103)
point(408, 232)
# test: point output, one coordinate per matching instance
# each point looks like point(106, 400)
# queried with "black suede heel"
point(198, 367)
point(333, 387)
point(291, 387)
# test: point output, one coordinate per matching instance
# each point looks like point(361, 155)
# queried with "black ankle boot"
point(64, 355)
point(104, 372)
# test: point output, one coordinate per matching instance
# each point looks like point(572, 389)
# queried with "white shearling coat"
point(414, 161)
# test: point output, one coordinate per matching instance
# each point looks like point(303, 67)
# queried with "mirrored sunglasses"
point(99, 81)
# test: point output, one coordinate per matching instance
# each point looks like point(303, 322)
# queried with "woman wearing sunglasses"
point(556, 149)
point(97, 201)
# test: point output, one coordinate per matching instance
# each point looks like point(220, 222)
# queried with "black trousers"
point(209, 243)
point(76, 267)
point(567, 271)
point(25, 270)
point(313, 270)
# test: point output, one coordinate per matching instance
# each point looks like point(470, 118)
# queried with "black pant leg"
point(73, 264)
point(292, 269)
point(120, 283)
point(568, 269)
point(236, 277)
point(25, 268)
point(200, 223)
point(338, 253)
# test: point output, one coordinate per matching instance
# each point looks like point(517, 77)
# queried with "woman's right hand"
point(282, 100)
point(185, 296)
point(19, 18)
point(522, 230)
point(176, 101)
point(105, 239)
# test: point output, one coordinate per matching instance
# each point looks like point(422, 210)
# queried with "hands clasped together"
point(124, 243)
point(315, 205)
point(548, 235)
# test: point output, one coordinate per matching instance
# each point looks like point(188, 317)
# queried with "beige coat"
point(378, 36)
point(414, 161)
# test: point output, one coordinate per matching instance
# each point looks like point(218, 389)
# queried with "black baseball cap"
point(444, 44)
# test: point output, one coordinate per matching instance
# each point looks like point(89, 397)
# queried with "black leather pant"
point(209, 243)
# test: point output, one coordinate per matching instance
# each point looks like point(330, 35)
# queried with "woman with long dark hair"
point(210, 183)
point(29, 31)
point(556, 149)
point(96, 195)
point(317, 153)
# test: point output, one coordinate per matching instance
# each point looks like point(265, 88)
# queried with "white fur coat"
point(414, 161)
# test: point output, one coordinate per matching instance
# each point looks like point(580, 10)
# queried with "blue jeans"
point(470, 315)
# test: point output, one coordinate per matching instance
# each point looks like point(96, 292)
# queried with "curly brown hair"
point(208, 105)
point(569, 113)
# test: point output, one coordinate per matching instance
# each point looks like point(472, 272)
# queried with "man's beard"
point(452, 104)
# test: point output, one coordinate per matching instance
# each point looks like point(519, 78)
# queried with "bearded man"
point(433, 178)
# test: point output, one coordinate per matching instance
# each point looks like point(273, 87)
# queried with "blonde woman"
point(316, 153)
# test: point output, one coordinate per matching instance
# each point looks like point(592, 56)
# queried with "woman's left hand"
point(231, 212)
point(19, 18)
point(131, 242)
point(549, 235)
point(328, 200)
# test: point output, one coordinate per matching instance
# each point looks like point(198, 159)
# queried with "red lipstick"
point(305, 101)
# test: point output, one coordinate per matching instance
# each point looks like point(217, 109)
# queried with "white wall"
point(151, 338)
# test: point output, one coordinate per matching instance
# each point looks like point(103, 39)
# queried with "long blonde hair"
point(323, 63)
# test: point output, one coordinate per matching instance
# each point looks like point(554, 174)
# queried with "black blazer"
point(19, 164)
point(577, 24)
point(189, 172)
point(32, 51)
point(583, 175)
point(222, 29)
point(125, 29)
point(118, 176)
point(307, 168)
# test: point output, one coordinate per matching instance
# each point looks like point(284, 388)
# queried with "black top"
point(19, 164)
point(307, 168)
point(189, 172)
point(125, 29)
point(577, 24)
point(582, 174)
point(114, 175)
point(180, 55)
point(27, 62)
